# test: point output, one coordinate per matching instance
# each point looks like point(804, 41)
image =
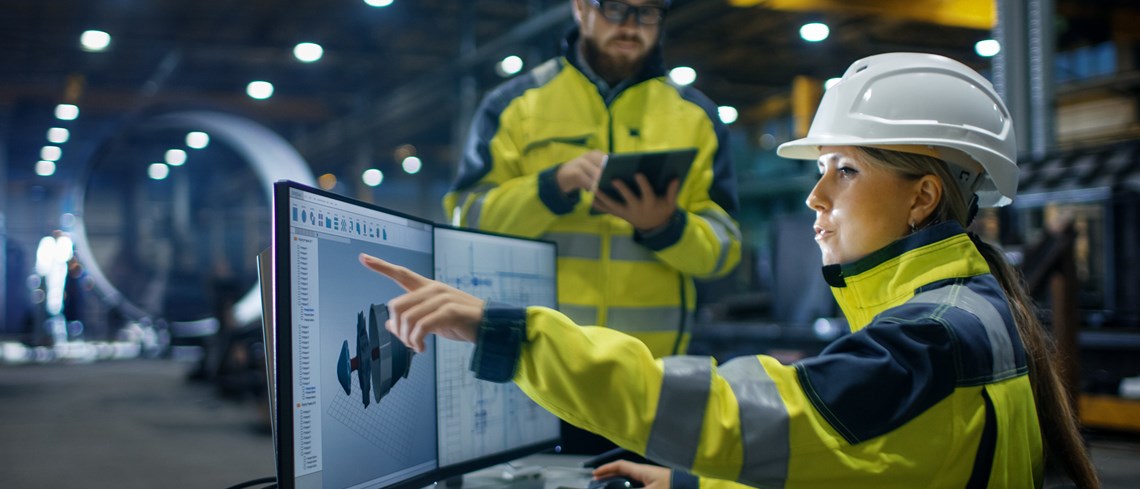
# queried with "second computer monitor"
point(482, 422)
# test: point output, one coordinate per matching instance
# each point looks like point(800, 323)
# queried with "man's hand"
point(580, 173)
point(429, 307)
point(651, 476)
point(646, 213)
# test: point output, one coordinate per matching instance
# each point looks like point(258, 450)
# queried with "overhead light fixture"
point(308, 52)
point(509, 66)
point(94, 41)
point(197, 139)
point(412, 165)
point(259, 90)
point(727, 113)
point(175, 157)
point(987, 48)
point(683, 75)
point(378, 3)
point(66, 112)
point(158, 171)
point(814, 31)
point(45, 168)
point(58, 135)
point(372, 177)
point(50, 153)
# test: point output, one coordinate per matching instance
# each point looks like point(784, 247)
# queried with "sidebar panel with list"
point(306, 391)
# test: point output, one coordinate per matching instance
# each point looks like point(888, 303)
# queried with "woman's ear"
point(928, 194)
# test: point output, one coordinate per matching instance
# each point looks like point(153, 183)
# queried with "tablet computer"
point(660, 167)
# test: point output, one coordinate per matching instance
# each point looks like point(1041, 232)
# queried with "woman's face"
point(860, 206)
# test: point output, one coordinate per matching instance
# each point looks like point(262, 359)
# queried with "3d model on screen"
point(377, 349)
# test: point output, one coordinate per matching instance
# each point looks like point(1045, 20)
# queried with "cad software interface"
point(363, 405)
point(477, 418)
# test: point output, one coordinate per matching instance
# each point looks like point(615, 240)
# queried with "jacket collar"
point(891, 275)
point(654, 62)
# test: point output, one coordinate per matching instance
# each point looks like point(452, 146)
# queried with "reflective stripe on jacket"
point(929, 390)
point(608, 274)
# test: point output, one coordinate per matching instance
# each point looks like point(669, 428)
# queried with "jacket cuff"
point(665, 236)
point(684, 480)
point(552, 196)
point(498, 343)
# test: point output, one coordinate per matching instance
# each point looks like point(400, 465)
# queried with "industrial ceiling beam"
point(421, 94)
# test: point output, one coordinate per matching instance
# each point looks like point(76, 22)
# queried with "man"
point(537, 146)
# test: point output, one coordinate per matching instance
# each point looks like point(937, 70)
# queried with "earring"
point(913, 228)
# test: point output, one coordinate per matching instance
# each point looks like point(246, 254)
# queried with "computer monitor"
point(354, 407)
point(483, 423)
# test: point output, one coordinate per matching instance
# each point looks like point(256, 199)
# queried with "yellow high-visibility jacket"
point(929, 390)
point(608, 274)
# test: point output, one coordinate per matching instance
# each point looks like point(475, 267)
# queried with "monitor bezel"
point(448, 471)
point(282, 303)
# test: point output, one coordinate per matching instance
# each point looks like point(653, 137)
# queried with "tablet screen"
point(659, 167)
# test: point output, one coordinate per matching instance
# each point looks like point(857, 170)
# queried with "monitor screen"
point(482, 423)
point(355, 408)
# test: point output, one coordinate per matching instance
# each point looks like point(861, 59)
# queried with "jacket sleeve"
point(701, 408)
point(703, 239)
point(491, 191)
point(752, 419)
point(684, 480)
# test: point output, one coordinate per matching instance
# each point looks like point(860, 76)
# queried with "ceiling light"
point(378, 3)
point(987, 48)
point(175, 157)
point(94, 40)
point(45, 168)
point(727, 113)
point(372, 177)
point(58, 135)
point(197, 139)
point(158, 171)
point(66, 112)
point(412, 165)
point(509, 66)
point(50, 153)
point(683, 75)
point(308, 52)
point(259, 90)
point(814, 32)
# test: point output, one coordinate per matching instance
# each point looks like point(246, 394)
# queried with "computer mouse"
point(614, 483)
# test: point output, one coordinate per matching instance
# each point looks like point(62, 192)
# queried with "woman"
point(945, 380)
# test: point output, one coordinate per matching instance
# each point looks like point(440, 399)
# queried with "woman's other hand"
point(651, 476)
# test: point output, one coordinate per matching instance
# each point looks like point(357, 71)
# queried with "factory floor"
point(141, 424)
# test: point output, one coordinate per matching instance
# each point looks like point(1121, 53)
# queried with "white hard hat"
point(917, 100)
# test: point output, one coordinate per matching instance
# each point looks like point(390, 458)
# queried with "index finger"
point(405, 278)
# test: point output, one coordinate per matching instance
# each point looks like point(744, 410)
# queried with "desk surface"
point(555, 472)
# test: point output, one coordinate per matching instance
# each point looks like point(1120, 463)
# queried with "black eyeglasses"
point(618, 12)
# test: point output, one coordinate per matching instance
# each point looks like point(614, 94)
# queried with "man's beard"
point(612, 69)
